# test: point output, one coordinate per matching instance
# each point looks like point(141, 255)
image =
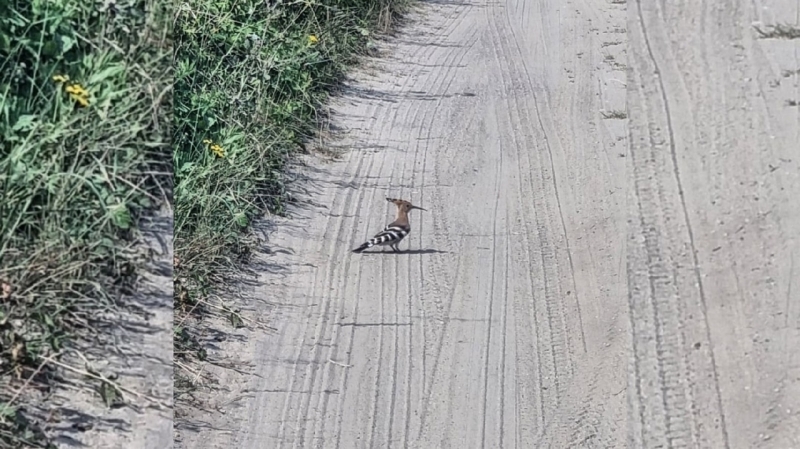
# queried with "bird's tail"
point(363, 246)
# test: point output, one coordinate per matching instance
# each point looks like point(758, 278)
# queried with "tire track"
point(685, 213)
point(410, 303)
point(386, 124)
point(442, 82)
point(393, 379)
point(354, 314)
point(581, 418)
point(366, 233)
point(376, 399)
point(322, 396)
point(336, 250)
point(454, 244)
point(709, 120)
point(539, 120)
point(528, 261)
point(552, 342)
point(372, 418)
point(654, 193)
point(508, 68)
point(487, 342)
point(356, 174)
point(440, 343)
point(501, 427)
point(321, 412)
point(512, 114)
point(663, 316)
point(415, 116)
point(396, 263)
point(311, 295)
point(446, 315)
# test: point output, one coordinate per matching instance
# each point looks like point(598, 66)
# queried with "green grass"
point(74, 178)
point(250, 78)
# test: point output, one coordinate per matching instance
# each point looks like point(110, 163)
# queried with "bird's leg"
point(394, 247)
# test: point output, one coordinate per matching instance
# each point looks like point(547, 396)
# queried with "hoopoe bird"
point(395, 231)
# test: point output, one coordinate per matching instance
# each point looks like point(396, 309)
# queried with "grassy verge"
point(85, 117)
point(249, 79)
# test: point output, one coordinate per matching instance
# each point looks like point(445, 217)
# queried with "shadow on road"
point(407, 252)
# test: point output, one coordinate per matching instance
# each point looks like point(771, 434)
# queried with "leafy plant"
point(84, 130)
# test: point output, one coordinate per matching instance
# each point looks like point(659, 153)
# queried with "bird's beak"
point(417, 207)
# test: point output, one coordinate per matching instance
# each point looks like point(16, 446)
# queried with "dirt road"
point(566, 287)
point(505, 321)
point(714, 257)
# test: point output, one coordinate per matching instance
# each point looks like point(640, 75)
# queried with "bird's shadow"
point(407, 252)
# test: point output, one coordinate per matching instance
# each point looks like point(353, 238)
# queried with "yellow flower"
point(81, 101)
point(218, 150)
point(312, 39)
point(214, 147)
point(75, 91)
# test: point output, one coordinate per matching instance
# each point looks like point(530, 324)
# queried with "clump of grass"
point(779, 31)
point(788, 73)
point(615, 114)
point(84, 128)
point(249, 79)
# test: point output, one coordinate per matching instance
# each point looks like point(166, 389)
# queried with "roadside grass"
point(85, 117)
point(778, 31)
point(614, 114)
point(249, 78)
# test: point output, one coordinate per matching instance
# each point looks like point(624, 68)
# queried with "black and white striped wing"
point(390, 234)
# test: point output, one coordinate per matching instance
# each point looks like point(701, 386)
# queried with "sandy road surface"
point(714, 255)
point(505, 323)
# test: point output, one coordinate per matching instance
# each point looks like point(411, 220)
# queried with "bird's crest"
point(403, 205)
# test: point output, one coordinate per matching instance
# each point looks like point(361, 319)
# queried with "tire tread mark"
point(440, 343)
point(448, 21)
point(504, 62)
point(385, 124)
point(322, 403)
point(335, 252)
point(687, 221)
point(555, 363)
point(295, 365)
point(354, 314)
point(547, 145)
point(487, 342)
